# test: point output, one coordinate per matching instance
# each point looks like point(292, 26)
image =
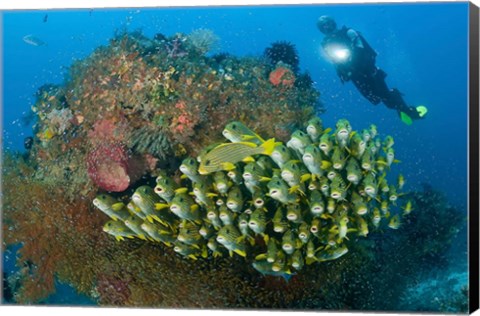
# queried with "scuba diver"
point(354, 60)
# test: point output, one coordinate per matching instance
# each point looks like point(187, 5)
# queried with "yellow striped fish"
point(224, 156)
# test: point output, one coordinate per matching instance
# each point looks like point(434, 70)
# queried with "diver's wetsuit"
point(361, 70)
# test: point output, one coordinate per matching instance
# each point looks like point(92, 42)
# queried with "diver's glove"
point(418, 113)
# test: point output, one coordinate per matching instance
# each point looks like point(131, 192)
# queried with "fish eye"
point(180, 199)
point(283, 149)
point(234, 126)
point(278, 182)
point(301, 133)
point(191, 162)
point(207, 163)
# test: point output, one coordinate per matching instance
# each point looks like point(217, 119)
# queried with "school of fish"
point(279, 205)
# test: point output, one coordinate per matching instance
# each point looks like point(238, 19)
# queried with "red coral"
point(282, 76)
point(182, 126)
point(108, 167)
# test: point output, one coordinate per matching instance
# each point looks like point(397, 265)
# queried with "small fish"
point(224, 156)
point(280, 263)
point(290, 243)
point(315, 226)
point(366, 135)
point(220, 182)
point(111, 207)
point(165, 188)
point(325, 144)
point(297, 260)
point(304, 232)
point(184, 207)
point(258, 221)
point(357, 146)
point(202, 193)
point(373, 130)
point(324, 186)
point(298, 142)
point(258, 199)
point(338, 189)
point(370, 185)
point(150, 204)
point(226, 216)
point(280, 191)
point(266, 163)
point(295, 175)
point(360, 207)
point(317, 205)
point(294, 213)
point(230, 238)
point(189, 168)
point(394, 222)
point(118, 229)
point(213, 245)
point(376, 217)
point(367, 161)
point(393, 195)
point(354, 173)
point(135, 223)
point(242, 223)
point(213, 217)
point(401, 181)
point(342, 133)
point(332, 254)
point(266, 268)
point(237, 132)
point(384, 206)
point(390, 156)
point(312, 158)
point(159, 232)
point(331, 204)
point(338, 158)
point(235, 175)
point(253, 175)
point(314, 128)
point(281, 154)
point(33, 40)
point(280, 224)
point(388, 142)
point(408, 208)
point(235, 199)
point(190, 251)
point(362, 226)
point(189, 234)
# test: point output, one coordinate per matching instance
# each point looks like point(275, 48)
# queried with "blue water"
point(422, 47)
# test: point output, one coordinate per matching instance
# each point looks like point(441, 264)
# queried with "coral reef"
point(161, 99)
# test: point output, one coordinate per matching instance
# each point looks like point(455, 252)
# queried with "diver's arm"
point(355, 39)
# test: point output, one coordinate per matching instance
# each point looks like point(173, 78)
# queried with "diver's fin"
point(405, 118)
point(422, 110)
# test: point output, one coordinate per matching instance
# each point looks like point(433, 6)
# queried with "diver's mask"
point(338, 54)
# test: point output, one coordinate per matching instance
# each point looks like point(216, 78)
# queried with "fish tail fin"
point(268, 146)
